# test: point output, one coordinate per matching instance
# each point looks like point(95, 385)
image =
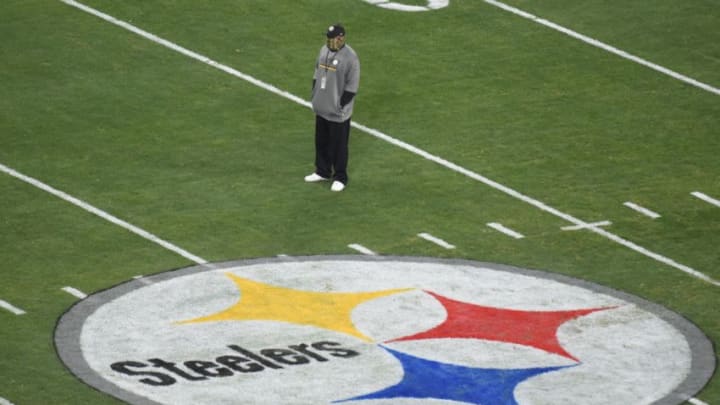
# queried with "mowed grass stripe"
point(452, 166)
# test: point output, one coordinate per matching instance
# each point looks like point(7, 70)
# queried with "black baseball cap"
point(335, 30)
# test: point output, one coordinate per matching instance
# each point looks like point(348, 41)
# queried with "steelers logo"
point(379, 330)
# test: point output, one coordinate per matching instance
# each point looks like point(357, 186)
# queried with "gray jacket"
point(335, 73)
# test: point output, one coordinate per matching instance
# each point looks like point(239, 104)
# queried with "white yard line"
point(74, 292)
point(605, 47)
point(435, 240)
point(706, 198)
point(362, 249)
point(410, 148)
point(12, 308)
point(507, 231)
point(642, 210)
point(186, 52)
point(589, 225)
point(696, 401)
point(102, 214)
point(4, 401)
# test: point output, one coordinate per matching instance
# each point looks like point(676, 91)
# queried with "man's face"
point(336, 43)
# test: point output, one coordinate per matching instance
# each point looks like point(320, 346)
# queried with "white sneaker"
point(314, 178)
point(337, 186)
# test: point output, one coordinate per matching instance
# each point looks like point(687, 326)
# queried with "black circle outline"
point(69, 326)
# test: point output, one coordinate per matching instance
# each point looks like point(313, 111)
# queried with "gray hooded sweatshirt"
point(335, 73)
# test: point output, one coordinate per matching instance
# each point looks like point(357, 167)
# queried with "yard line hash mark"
point(142, 279)
point(507, 231)
point(403, 145)
point(74, 292)
point(605, 47)
point(435, 240)
point(362, 249)
point(586, 226)
point(642, 210)
point(12, 308)
point(706, 198)
point(102, 214)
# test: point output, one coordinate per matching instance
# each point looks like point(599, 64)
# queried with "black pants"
point(331, 148)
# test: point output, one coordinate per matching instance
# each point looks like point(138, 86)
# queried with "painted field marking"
point(706, 198)
point(605, 47)
point(362, 249)
point(12, 308)
point(403, 145)
point(435, 240)
point(642, 210)
point(74, 292)
point(507, 231)
point(696, 401)
point(586, 226)
point(4, 401)
point(142, 279)
point(431, 5)
point(102, 214)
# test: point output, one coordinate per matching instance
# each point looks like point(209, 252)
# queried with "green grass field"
point(215, 164)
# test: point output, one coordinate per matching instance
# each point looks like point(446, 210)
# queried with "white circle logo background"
point(623, 353)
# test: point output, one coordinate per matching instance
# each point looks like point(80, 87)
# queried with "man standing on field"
point(335, 83)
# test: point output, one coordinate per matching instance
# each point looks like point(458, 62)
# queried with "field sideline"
point(146, 139)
